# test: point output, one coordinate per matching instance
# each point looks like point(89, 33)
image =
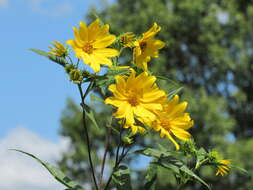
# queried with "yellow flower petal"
point(83, 32)
point(107, 52)
point(173, 140)
point(104, 42)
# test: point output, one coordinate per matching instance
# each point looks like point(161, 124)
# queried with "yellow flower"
point(91, 44)
point(58, 49)
point(173, 120)
point(127, 40)
point(223, 168)
point(136, 97)
point(147, 47)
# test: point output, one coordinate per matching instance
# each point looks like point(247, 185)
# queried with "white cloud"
point(18, 171)
point(3, 3)
point(51, 7)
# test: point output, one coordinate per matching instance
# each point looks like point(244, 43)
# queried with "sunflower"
point(91, 44)
point(147, 47)
point(58, 49)
point(135, 97)
point(173, 121)
point(223, 168)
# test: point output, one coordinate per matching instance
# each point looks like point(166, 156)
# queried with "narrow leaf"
point(174, 168)
point(240, 169)
point(157, 153)
point(186, 170)
point(60, 60)
point(91, 116)
point(58, 174)
point(96, 98)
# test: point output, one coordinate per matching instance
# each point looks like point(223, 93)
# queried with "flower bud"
point(75, 76)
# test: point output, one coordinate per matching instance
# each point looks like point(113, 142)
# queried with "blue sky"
point(33, 89)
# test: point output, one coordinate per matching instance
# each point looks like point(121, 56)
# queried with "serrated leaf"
point(186, 170)
point(58, 174)
point(121, 178)
point(60, 60)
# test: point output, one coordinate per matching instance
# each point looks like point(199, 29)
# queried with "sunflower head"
point(173, 121)
point(58, 49)
point(147, 47)
point(135, 97)
point(91, 44)
point(223, 166)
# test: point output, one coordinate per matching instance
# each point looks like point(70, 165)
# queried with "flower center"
point(165, 123)
point(133, 100)
point(143, 45)
point(88, 48)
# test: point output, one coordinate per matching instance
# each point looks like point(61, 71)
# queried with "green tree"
point(209, 51)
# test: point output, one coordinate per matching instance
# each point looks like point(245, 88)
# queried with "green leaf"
point(151, 177)
point(114, 129)
point(245, 172)
point(173, 87)
point(91, 116)
point(60, 60)
point(174, 92)
point(109, 77)
point(121, 178)
point(186, 170)
point(201, 155)
point(96, 98)
point(58, 174)
point(173, 167)
point(157, 153)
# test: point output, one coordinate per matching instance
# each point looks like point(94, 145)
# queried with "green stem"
point(117, 152)
point(123, 155)
point(200, 163)
point(70, 60)
point(86, 130)
point(108, 134)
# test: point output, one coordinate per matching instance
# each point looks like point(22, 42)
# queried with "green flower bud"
point(69, 67)
point(127, 140)
point(75, 76)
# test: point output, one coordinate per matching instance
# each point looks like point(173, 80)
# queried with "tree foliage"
point(209, 51)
